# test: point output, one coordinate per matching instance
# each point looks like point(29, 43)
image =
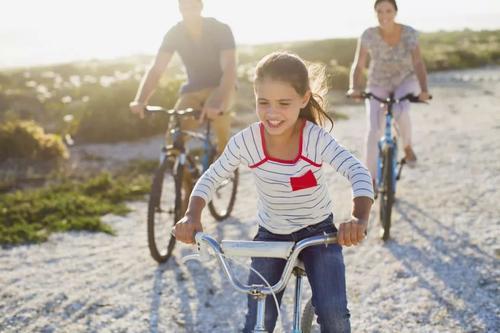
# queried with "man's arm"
point(228, 80)
point(149, 82)
point(220, 99)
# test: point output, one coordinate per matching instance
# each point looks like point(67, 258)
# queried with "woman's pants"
point(375, 113)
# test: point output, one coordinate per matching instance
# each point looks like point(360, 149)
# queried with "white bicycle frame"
point(286, 250)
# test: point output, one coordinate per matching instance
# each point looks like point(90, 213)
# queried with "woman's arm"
point(421, 72)
point(357, 68)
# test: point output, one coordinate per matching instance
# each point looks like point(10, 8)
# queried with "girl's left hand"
point(352, 232)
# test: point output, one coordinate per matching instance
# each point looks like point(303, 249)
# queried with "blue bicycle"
point(388, 167)
point(179, 169)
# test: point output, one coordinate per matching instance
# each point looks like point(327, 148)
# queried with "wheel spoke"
point(224, 197)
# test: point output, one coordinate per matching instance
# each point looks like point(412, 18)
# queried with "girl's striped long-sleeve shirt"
point(292, 194)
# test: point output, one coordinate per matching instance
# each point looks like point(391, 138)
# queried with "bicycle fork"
point(261, 306)
point(261, 312)
point(298, 305)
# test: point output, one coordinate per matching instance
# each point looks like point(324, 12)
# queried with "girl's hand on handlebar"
point(185, 229)
point(352, 232)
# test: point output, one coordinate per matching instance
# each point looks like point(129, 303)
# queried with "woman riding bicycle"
point(285, 152)
point(396, 66)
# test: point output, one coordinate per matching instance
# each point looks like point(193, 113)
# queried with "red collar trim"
point(269, 158)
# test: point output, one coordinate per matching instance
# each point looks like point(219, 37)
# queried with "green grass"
point(30, 216)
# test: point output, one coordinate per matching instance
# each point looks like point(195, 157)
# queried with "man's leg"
point(222, 125)
point(222, 130)
point(193, 100)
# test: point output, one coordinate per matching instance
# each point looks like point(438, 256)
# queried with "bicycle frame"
point(260, 292)
point(180, 167)
point(387, 141)
point(178, 145)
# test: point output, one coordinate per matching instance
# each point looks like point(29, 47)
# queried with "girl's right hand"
point(352, 232)
point(185, 229)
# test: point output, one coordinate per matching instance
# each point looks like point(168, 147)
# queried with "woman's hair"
point(392, 2)
point(290, 68)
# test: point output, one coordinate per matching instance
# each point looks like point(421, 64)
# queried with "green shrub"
point(32, 215)
point(107, 117)
point(339, 77)
point(27, 140)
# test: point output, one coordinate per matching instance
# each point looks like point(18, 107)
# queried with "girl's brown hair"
point(392, 2)
point(290, 68)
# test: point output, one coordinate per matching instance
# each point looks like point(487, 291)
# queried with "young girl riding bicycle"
point(285, 151)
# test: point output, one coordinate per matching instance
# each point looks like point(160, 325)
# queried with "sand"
point(439, 272)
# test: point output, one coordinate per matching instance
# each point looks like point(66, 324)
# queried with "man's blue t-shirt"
point(202, 57)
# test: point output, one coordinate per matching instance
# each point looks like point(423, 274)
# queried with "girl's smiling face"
point(278, 105)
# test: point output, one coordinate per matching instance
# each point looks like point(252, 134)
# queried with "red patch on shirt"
point(307, 180)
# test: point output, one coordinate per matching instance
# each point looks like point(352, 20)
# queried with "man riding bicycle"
point(207, 50)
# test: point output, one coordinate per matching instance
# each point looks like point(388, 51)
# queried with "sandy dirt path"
point(439, 273)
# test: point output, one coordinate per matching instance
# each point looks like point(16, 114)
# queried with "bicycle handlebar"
point(390, 100)
point(205, 242)
point(173, 112)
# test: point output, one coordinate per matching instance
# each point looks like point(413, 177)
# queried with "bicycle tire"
point(387, 192)
point(221, 210)
point(166, 184)
point(306, 321)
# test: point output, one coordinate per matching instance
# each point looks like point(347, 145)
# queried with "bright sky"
point(48, 31)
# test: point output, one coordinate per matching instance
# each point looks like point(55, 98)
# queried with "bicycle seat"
point(258, 249)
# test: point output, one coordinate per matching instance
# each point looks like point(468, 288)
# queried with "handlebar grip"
point(202, 246)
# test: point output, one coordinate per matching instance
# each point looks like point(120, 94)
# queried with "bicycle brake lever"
point(202, 247)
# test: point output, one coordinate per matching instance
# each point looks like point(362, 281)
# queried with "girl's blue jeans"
point(326, 274)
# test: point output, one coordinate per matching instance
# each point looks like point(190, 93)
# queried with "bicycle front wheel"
point(387, 192)
point(223, 200)
point(164, 208)
point(306, 321)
